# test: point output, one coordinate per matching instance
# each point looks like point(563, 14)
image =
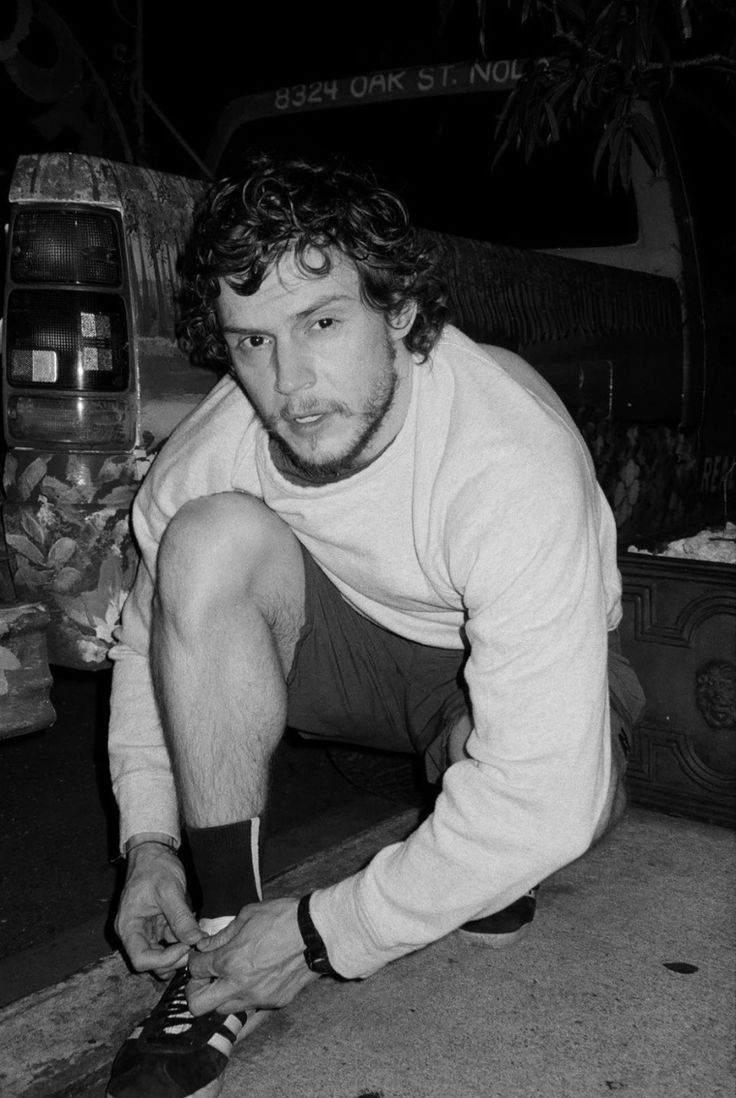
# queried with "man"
point(371, 530)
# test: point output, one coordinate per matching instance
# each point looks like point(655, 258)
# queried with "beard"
point(337, 466)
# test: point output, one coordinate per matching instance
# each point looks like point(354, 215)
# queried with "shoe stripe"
point(222, 1043)
point(233, 1023)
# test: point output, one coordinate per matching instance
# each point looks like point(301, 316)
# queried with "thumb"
point(184, 926)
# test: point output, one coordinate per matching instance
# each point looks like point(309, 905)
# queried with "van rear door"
point(93, 381)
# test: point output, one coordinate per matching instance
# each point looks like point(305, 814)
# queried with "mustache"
point(312, 407)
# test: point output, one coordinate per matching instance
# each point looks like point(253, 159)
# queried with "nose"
point(293, 370)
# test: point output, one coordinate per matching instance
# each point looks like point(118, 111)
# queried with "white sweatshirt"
point(484, 517)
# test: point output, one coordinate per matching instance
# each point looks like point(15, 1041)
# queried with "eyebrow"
point(303, 314)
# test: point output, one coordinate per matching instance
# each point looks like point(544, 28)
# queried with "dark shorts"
point(355, 682)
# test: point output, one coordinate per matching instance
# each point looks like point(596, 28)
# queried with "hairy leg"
point(228, 609)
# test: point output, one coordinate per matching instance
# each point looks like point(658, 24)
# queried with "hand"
point(153, 910)
point(255, 962)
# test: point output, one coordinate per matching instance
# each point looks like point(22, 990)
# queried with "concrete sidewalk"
point(626, 982)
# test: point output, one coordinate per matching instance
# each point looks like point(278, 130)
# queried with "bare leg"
point(228, 609)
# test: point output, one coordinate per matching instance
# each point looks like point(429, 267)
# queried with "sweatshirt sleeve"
point(201, 457)
point(527, 799)
point(140, 770)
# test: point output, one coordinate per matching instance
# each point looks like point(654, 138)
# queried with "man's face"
point(328, 376)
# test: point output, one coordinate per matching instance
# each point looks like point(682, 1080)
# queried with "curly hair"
point(243, 227)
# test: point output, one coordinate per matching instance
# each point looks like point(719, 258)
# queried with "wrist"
point(315, 950)
point(151, 841)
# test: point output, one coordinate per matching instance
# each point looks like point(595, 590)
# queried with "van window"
point(437, 153)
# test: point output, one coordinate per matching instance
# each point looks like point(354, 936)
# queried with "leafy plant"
point(608, 60)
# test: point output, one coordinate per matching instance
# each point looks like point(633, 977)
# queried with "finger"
point(232, 1006)
point(204, 965)
point(159, 958)
point(206, 995)
point(215, 941)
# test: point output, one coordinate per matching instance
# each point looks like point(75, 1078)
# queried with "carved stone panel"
point(679, 631)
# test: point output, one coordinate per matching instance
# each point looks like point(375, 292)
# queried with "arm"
point(199, 459)
point(154, 921)
point(142, 779)
point(527, 799)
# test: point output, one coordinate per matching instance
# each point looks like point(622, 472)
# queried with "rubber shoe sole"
point(493, 941)
point(503, 928)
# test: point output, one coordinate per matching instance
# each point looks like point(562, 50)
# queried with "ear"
point(400, 322)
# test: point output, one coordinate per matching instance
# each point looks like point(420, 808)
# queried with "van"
point(601, 289)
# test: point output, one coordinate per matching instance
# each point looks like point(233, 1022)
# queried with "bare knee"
point(224, 548)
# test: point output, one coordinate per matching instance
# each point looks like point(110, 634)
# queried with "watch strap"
point(315, 951)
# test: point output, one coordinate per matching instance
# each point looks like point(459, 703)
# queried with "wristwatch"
point(315, 952)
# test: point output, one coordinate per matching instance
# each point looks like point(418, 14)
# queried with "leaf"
point(63, 493)
point(31, 475)
point(10, 471)
point(120, 497)
point(61, 551)
point(28, 578)
point(552, 122)
point(25, 547)
point(33, 528)
point(92, 650)
point(573, 10)
point(645, 138)
point(8, 660)
point(74, 608)
point(603, 146)
point(624, 164)
point(66, 579)
point(111, 579)
point(78, 474)
point(111, 469)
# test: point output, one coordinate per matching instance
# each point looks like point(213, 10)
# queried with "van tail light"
point(70, 339)
point(88, 423)
point(77, 247)
point(67, 354)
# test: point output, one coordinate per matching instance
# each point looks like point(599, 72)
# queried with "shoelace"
point(172, 1017)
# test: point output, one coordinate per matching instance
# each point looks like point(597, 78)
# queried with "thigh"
point(355, 682)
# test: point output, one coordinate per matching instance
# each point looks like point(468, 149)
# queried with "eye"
point(252, 343)
point(325, 323)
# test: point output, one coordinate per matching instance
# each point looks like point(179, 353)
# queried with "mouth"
point(307, 419)
point(306, 422)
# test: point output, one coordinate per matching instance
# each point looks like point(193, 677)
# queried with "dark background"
point(190, 62)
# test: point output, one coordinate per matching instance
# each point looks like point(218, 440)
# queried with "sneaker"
point(503, 928)
point(172, 1054)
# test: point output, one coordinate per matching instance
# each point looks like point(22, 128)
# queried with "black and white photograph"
point(368, 549)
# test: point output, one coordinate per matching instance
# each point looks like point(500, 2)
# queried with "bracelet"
point(315, 953)
point(162, 840)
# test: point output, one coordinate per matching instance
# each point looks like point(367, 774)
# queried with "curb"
point(57, 1040)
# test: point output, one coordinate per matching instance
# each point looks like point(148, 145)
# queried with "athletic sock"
point(227, 863)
